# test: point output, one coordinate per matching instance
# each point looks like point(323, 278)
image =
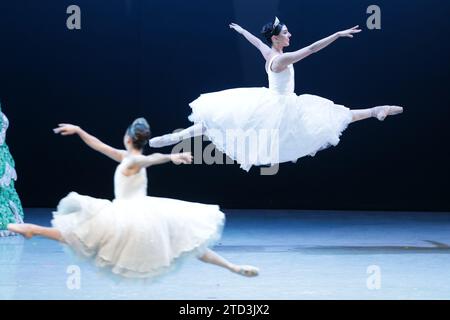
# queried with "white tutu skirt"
point(137, 238)
point(258, 126)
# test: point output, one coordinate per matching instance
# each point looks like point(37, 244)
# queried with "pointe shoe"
point(248, 271)
point(21, 228)
point(383, 111)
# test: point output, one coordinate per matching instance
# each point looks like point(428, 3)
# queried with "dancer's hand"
point(263, 48)
point(66, 129)
point(236, 27)
point(182, 158)
point(349, 32)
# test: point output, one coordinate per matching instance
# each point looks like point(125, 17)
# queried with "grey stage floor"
point(301, 254)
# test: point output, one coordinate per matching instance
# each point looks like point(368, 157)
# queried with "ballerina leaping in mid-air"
point(135, 235)
point(304, 124)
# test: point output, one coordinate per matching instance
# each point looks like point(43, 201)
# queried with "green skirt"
point(11, 210)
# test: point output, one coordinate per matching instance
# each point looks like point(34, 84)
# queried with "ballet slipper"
point(24, 229)
point(383, 111)
point(248, 271)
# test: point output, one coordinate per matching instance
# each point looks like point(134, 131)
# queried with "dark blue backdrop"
point(151, 58)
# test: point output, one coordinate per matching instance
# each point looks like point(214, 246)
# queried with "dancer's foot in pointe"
point(24, 229)
point(383, 111)
point(246, 271)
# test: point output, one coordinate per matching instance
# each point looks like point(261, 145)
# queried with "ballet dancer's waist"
point(281, 92)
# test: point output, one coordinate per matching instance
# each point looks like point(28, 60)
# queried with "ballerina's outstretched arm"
point(66, 129)
point(261, 46)
point(142, 161)
point(30, 230)
point(288, 58)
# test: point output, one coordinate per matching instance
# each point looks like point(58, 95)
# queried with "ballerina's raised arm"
point(288, 58)
point(135, 161)
point(261, 46)
point(66, 129)
point(277, 34)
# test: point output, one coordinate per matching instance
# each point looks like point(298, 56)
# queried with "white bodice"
point(282, 82)
point(126, 187)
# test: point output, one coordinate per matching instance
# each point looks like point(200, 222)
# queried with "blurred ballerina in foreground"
point(135, 235)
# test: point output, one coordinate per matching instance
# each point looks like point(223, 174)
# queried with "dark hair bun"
point(268, 31)
point(140, 133)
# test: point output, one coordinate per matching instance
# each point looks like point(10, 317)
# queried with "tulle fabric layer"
point(141, 237)
point(285, 126)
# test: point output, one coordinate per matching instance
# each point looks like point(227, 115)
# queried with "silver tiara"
point(276, 23)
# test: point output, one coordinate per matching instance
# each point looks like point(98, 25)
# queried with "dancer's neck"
point(277, 49)
point(134, 152)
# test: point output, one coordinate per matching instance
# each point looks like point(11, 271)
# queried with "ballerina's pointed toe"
point(393, 110)
point(248, 271)
point(382, 112)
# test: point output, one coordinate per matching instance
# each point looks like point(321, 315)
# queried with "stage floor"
point(301, 255)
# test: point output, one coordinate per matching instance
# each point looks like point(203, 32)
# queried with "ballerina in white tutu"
point(267, 126)
point(135, 235)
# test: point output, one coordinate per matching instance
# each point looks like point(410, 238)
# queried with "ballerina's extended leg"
point(380, 112)
point(174, 138)
point(30, 230)
point(211, 257)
